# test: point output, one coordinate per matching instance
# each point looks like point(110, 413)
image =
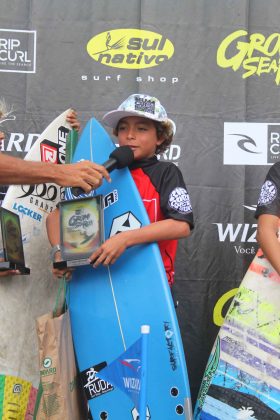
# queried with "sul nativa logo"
point(130, 48)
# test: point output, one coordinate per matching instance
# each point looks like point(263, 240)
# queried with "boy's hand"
point(110, 251)
point(72, 118)
point(9, 273)
point(60, 272)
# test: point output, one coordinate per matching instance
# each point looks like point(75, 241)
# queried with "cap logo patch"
point(144, 105)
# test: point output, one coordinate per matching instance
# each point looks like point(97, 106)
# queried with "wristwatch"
point(54, 250)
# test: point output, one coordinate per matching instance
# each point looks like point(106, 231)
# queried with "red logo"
point(49, 152)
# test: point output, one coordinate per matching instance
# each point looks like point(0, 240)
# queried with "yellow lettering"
point(264, 65)
point(236, 60)
point(248, 65)
point(268, 43)
point(256, 43)
point(218, 318)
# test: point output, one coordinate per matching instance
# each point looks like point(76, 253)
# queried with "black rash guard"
point(165, 196)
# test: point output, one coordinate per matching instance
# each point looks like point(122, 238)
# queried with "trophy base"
point(7, 265)
point(71, 263)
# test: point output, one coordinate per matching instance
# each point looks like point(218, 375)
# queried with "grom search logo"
point(17, 51)
point(130, 48)
point(255, 53)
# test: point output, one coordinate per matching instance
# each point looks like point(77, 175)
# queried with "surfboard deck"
point(242, 377)
point(109, 305)
point(23, 298)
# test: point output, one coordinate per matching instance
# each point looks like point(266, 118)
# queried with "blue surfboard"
point(109, 305)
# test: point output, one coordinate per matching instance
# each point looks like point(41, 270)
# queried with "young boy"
point(141, 123)
point(268, 215)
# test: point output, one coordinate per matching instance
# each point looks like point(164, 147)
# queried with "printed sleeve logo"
point(179, 200)
point(268, 193)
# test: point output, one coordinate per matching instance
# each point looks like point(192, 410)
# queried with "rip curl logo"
point(179, 200)
point(256, 54)
point(130, 48)
point(17, 51)
point(268, 193)
point(245, 142)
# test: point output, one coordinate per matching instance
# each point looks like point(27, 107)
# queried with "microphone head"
point(123, 155)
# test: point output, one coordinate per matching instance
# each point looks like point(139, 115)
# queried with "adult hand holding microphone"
point(120, 158)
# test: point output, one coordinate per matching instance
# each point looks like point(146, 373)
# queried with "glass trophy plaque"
point(81, 230)
point(11, 247)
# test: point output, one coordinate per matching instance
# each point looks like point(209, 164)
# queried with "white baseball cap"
point(138, 105)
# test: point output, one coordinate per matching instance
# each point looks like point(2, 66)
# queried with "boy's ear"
point(160, 140)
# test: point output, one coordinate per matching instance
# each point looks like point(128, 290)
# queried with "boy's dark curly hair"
point(164, 129)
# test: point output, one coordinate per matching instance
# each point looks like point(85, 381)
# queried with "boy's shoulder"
point(165, 164)
point(276, 166)
point(274, 169)
point(153, 162)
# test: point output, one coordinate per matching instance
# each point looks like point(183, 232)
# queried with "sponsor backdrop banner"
point(214, 65)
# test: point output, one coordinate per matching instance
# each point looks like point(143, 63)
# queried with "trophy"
point(81, 230)
point(11, 247)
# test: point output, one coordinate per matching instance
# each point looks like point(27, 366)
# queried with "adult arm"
point(267, 238)
point(86, 175)
point(113, 247)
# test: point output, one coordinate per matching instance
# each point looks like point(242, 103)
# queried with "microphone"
point(120, 158)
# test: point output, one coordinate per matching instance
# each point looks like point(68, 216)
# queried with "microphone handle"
point(110, 164)
point(76, 191)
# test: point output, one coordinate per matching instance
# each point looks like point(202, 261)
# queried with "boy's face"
point(140, 135)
